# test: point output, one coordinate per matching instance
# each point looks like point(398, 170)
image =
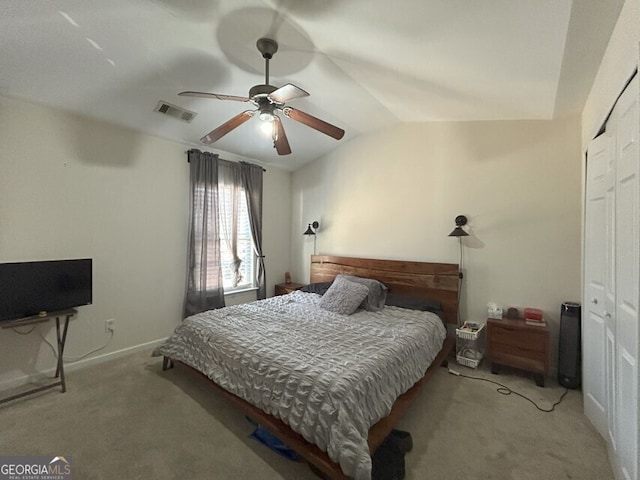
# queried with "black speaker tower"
point(569, 352)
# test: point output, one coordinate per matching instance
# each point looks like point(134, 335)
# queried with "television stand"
point(61, 335)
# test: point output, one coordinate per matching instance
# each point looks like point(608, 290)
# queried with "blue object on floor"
point(265, 437)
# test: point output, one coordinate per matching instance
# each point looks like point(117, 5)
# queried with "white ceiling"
point(368, 64)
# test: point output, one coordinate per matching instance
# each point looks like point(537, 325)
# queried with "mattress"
point(330, 377)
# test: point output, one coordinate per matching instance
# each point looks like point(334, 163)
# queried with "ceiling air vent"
point(175, 111)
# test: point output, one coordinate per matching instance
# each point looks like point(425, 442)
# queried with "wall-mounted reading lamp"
point(311, 230)
point(459, 232)
point(461, 220)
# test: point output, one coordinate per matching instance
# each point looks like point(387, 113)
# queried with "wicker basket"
point(468, 362)
point(469, 346)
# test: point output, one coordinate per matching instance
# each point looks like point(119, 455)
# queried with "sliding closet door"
point(627, 277)
point(599, 295)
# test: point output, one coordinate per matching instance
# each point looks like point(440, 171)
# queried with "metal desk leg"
point(62, 338)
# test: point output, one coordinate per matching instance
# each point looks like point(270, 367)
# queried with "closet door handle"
point(607, 314)
point(594, 301)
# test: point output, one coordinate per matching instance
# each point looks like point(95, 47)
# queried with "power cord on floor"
point(504, 390)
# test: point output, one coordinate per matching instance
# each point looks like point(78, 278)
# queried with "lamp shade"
point(458, 232)
point(311, 229)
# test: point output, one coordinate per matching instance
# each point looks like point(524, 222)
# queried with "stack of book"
point(533, 316)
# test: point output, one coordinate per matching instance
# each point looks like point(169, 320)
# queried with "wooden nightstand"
point(514, 343)
point(284, 288)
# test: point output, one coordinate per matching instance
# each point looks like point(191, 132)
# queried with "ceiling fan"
point(269, 101)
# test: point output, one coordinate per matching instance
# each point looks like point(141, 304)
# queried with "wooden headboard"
point(437, 281)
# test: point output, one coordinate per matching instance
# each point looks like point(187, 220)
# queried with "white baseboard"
point(70, 367)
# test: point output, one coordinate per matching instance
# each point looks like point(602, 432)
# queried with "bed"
point(291, 366)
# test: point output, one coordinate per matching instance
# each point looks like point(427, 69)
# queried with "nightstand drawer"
point(531, 361)
point(518, 351)
point(513, 336)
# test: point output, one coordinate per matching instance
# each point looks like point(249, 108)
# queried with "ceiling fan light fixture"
point(267, 116)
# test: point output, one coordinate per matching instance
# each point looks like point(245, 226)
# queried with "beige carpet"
point(127, 419)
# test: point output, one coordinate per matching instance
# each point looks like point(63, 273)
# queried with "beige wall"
point(395, 195)
point(72, 187)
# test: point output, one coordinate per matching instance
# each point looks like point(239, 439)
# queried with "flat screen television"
point(28, 288)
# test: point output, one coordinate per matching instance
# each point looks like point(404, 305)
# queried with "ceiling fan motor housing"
point(267, 47)
point(261, 91)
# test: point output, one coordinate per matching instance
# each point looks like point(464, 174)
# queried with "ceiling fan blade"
point(287, 93)
point(226, 127)
point(313, 122)
point(214, 96)
point(280, 141)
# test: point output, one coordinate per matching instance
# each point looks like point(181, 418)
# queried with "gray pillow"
point(344, 296)
point(377, 292)
point(413, 303)
point(319, 288)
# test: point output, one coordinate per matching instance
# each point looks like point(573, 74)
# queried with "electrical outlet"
point(110, 325)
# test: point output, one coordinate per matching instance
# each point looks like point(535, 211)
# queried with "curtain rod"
point(255, 165)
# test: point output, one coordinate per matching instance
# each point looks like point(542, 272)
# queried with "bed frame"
point(437, 281)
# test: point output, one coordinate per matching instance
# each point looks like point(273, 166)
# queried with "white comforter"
point(330, 377)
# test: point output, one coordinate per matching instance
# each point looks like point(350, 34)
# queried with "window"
point(225, 215)
point(235, 233)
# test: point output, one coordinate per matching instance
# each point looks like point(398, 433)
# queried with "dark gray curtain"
point(204, 289)
point(251, 176)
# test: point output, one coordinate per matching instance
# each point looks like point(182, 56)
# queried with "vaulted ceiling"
point(367, 64)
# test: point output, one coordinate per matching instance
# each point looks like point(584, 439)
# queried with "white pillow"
point(344, 296)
